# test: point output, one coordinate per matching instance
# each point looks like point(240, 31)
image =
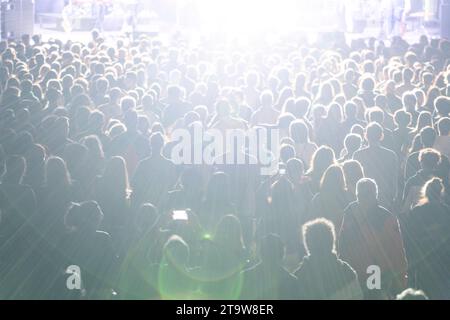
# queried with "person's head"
point(26, 86)
point(229, 232)
point(95, 34)
point(300, 81)
point(433, 191)
point(381, 101)
point(75, 156)
point(326, 93)
point(349, 76)
point(301, 107)
point(374, 133)
point(409, 101)
point(174, 93)
point(147, 217)
point(267, 99)
point(335, 112)
point(412, 295)
point(56, 173)
point(376, 115)
point(272, 249)
point(202, 111)
point(114, 95)
point(157, 143)
point(425, 120)
point(319, 237)
point(287, 152)
point(15, 169)
point(219, 187)
point(190, 118)
point(333, 180)
point(176, 252)
point(299, 132)
point(62, 127)
point(295, 170)
point(35, 156)
point(96, 121)
point(367, 192)
point(443, 126)
point(223, 108)
point(353, 172)
point(407, 75)
point(352, 143)
point(67, 82)
point(127, 103)
point(148, 101)
point(429, 159)
point(442, 106)
point(36, 39)
point(350, 110)
point(390, 87)
point(427, 78)
point(427, 137)
point(252, 79)
point(85, 216)
point(117, 174)
point(402, 118)
point(420, 95)
point(131, 120)
point(102, 85)
point(367, 83)
point(322, 159)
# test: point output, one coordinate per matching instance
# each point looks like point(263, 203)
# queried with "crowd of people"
point(357, 210)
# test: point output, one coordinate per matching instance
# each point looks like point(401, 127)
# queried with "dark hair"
point(432, 191)
point(319, 236)
point(374, 132)
point(444, 126)
point(429, 158)
point(85, 215)
point(15, 168)
point(366, 190)
point(299, 131)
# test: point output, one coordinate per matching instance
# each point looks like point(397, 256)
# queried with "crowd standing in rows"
point(88, 179)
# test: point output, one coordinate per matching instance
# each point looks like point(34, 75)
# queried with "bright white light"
point(250, 16)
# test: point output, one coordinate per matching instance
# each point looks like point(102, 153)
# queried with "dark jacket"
point(327, 278)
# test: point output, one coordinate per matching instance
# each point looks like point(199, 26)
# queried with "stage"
point(234, 19)
point(163, 32)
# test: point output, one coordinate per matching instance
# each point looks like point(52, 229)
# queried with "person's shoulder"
point(351, 206)
point(248, 272)
point(103, 235)
point(256, 113)
point(412, 156)
point(411, 180)
point(185, 105)
point(388, 152)
point(145, 162)
point(23, 189)
point(347, 269)
point(361, 152)
point(301, 269)
point(311, 145)
point(316, 197)
point(417, 210)
point(384, 211)
point(348, 196)
point(388, 216)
